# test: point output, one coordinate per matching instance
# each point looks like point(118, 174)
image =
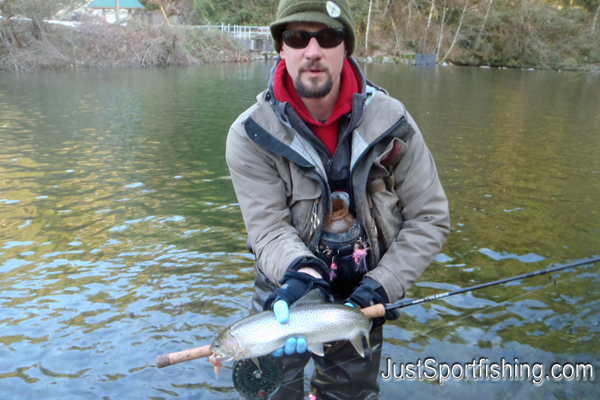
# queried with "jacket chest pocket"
point(303, 201)
point(383, 199)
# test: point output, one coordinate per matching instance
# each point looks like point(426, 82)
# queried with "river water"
point(121, 237)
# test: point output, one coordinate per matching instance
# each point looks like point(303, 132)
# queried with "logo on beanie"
point(333, 9)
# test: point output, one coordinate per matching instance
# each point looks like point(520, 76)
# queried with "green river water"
point(121, 237)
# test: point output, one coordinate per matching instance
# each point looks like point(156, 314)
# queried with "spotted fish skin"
point(310, 318)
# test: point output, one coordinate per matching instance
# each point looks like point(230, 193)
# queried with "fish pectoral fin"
point(356, 341)
point(257, 364)
point(316, 348)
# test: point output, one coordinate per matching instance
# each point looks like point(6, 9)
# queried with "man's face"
point(313, 69)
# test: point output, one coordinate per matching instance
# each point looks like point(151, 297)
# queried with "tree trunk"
point(409, 5)
point(437, 54)
point(483, 25)
point(596, 17)
point(386, 8)
point(457, 30)
point(368, 24)
point(427, 29)
point(10, 34)
point(38, 26)
point(397, 50)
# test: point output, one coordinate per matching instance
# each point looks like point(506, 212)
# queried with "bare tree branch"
point(428, 23)
point(483, 25)
point(368, 24)
point(439, 46)
point(457, 30)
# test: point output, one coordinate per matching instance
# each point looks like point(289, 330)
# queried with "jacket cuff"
point(376, 286)
point(311, 262)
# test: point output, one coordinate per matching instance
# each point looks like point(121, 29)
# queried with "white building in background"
point(105, 9)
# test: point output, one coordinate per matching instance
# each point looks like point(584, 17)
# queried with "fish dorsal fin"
point(312, 297)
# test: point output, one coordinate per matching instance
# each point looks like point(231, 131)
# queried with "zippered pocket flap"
point(384, 164)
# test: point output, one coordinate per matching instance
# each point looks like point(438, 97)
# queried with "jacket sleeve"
point(263, 198)
point(426, 220)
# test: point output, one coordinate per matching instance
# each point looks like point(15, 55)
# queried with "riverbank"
point(25, 46)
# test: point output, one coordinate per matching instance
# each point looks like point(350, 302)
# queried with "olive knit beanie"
point(332, 13)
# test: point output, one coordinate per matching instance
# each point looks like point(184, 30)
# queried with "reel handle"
point(164, 360)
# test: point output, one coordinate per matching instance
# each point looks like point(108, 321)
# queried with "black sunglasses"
point(327, 38)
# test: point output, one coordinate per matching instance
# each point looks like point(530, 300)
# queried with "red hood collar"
point(286, 92)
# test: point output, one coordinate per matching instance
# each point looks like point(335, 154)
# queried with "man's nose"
point(313, 50)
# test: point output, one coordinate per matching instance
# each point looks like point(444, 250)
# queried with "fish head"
point(225, 346)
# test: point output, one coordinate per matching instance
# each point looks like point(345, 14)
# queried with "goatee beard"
point(315, 92)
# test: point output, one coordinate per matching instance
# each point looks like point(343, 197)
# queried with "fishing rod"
point(408, 303)
point(378, 310)
point(260, 382)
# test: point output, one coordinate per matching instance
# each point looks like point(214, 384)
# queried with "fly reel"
point(258, 382)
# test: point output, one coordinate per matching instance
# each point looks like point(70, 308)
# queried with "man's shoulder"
point(382, 112)
point(263, 118)
point(260, 101)
point(381, 101)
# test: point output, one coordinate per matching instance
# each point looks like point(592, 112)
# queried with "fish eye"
point(217, 344)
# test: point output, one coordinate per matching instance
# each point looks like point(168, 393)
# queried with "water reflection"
point(121, 237)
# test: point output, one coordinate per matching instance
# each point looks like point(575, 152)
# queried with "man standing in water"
point(337, 189)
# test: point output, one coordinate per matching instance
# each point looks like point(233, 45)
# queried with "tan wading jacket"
point(282, 189)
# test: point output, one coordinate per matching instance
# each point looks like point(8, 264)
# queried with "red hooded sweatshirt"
point(327, 131)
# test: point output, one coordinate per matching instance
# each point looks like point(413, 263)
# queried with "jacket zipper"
point(379, 139)
point(326, 184)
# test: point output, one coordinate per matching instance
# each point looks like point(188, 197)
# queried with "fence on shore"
point(252, 37)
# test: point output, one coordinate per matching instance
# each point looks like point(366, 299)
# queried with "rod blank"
point(484, 285)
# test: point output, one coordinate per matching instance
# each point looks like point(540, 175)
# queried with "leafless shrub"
point(103, 45)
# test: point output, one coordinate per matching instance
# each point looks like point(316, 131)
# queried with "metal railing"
point(240, 31)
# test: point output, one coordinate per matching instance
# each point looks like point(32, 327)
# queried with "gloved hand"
point(369, 293)
point(294, 285)
point(292, 345)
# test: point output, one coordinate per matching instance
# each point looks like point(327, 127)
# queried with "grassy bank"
point(25, 47)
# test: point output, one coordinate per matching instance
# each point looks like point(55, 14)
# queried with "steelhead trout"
point(311, 318)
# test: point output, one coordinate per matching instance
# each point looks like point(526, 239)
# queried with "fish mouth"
point(221, 356)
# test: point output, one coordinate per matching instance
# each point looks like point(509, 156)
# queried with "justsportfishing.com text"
point(483, 369)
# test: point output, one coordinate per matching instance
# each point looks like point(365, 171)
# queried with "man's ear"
point(281, 53)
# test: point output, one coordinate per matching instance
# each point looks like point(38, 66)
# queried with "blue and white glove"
point(294, 286)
